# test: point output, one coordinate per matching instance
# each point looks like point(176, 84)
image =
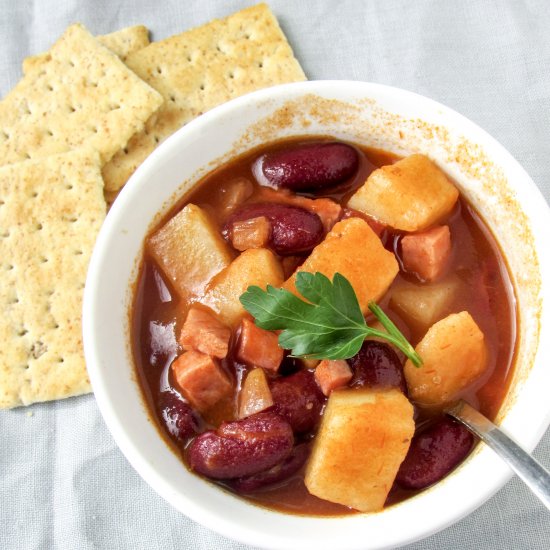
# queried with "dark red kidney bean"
point(241, 448)
point(181, 421)
point(293, 229)
point(434, 453)
point(377, 365)
point(298, 399)
point(278, 473)
point(310, 167)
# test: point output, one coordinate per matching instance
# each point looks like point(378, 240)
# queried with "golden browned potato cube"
point(363, 438)
point(190, 251)
point(423, 305)
point(256, 266)
point(353, 249)
point(454, 354)
point(410, 195)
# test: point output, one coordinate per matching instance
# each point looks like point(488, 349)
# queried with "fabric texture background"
point(63, 482)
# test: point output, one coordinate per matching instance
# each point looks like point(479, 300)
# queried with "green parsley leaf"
point(329, 325)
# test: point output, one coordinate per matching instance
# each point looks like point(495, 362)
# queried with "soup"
point(259, 421)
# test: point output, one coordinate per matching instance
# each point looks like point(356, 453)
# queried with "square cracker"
point(83, 95)
point(50, 213)
point(122, 43)
point(200, 69)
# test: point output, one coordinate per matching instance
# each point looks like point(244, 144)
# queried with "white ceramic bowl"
point(373, 115)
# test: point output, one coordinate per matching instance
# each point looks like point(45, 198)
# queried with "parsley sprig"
point(329, 325)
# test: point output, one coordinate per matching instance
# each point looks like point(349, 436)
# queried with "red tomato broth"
point(487, 293)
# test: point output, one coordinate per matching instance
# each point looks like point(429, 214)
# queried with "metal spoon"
point(524, 465)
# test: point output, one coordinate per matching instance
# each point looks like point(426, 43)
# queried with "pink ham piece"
point(332, 374)
point(427, 253)
point(203, 332)
point(259, 347)
point(201, 379)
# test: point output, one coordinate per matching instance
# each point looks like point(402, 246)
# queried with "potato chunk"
point(256, 266)
point(353, 249)
point(410, 195)
point(190, 251)
point(423, 305)
point(364, 436)
point(255, 395)
point(454, 354)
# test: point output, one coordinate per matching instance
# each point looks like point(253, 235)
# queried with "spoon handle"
point(524, 465)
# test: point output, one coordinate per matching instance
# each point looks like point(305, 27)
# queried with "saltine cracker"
point(50, 213)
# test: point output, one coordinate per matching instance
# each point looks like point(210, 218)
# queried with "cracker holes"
point(22, 332)
point(9, 267)
point(157, 139)
point(60, 360)
point(26, 156)
point(49, 87)
point(71, 63)
point(39, 227)
point(115, 106)
point(94, 129)
point(159, 70)
point(231, 75)
point(72, 109)
point(73, 219)
point(69, 186)
point(44, 260)
point(173, 98)
point(78, 252)
point(49, 132)
point(201, 87)
point(189, 58)
point(5, 234)
point(125, 150)
point(5, 135)
point(261, 64)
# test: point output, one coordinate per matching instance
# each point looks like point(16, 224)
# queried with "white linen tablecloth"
point(63, 482)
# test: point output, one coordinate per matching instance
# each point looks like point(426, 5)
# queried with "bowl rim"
point(304, 527)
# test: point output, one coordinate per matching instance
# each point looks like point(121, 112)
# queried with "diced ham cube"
point(203, 332)
point(332, 374)
point(258, 347)
point(251, 233)
point(201, 379)
point(428, 252)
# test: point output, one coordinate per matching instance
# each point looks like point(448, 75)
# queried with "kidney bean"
point(434, 453)
point(278, 473)
point(293, 229)
point(298, 399)
point(241, 448)
point(181, 421)
point(310, 167)
point(377, 365)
